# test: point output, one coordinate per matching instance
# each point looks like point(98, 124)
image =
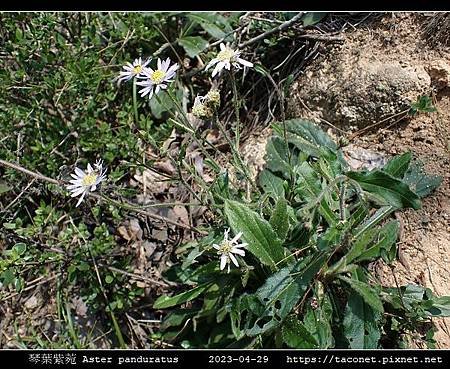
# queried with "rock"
point(32, 302)
point(359, 158)
point(358, 91)
point(366, 80)
point(439, 72)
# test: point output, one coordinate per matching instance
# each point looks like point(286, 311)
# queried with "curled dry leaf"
point(167, 143)
point(79, 306)
point(131, 230)
point(181, 214)
point(155, 183)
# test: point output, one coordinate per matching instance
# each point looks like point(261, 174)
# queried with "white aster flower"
point(133, 70)
point(226, 58)
point(155, 80)
point(84, 182)
point(228, 248)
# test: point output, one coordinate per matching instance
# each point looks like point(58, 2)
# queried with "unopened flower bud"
point(200, 109)
point(212, 98)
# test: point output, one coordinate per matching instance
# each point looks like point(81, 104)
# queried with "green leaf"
point(361, 324)
point(384, 243)
point(214, 30)
point(333, 236)
point(277, 157)
point(440, 307)
point(370, 244)
point(262, 240)
point(420, 182)
point(19, 248)
point(424, 104)
point(417, 299)
point(109, 279)
point(306, 136)
point(177, 317)
point(279, 219)
point(193, 45)
point(295, 335)
point(368, 293)
point(310, 189)
point(387, 189)
point(8, 276)
point(318, 320)
point(261, 69)
point(398, 165)
point(4, 188)
point(19, 284)
point(311, 18)
point(281, 291)
point(271, 184)
point(163, 104)
point(275, 299)
point(215, 24)
point(164, 302)
point(381, 214)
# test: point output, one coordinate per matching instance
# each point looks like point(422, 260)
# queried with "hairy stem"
point(135, 108)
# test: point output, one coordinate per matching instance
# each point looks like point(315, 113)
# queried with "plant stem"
point(280, 94)
point(235, 153)
point(98, 197)
point(342, 201)
point(236, 109)
point(135, 108)
point(189, 125)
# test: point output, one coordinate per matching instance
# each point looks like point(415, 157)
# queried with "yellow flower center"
point(137, 69)
point(157, 76)
point(226, 54)
point(225, 247)
point(89, 179)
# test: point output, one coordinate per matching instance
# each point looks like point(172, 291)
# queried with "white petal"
point(145, 91)
point(79, 172)
point(173, 69)
point(233, 259)
point(217, 69)
point(241, 245)
point(244, 62)
point(238, 251)
point(80, 200)
point(211, 63)
point(222, 46)
point(217, 247)
point(236, 237)
point(223, 261)
point(226, 233)
point(165, 65)
point(78, 192)
point(146, 62)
